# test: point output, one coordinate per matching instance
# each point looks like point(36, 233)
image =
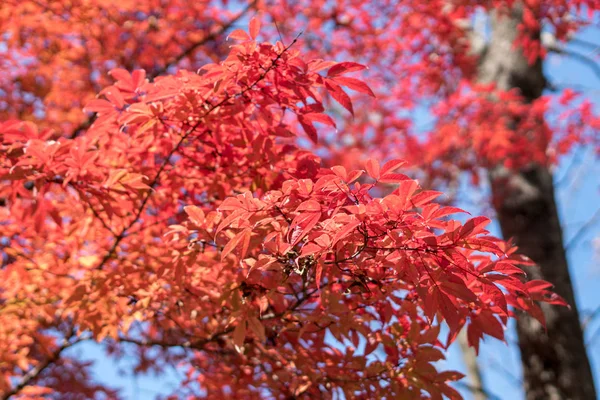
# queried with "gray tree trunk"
point(555, 362)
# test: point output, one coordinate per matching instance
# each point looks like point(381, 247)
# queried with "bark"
point(555, 362)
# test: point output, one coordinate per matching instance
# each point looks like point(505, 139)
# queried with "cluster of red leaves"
point(564, 17)
point(480, 126)
point(58, 54)
point(267, 255)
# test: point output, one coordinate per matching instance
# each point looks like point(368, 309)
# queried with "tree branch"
point(36, 371)
point(553, 47)
point(584, 43)
point(581, 231)
point(203, 41)
point(478, 391)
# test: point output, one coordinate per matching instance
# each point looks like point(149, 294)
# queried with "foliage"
point(187, 227)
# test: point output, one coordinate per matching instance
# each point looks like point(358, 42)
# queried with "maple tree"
point(184, 215)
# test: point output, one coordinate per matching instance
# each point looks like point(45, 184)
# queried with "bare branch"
point(552, 45)
point(584, 43)
point(584, 228)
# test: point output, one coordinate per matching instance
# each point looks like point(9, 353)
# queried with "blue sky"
point(578, 200)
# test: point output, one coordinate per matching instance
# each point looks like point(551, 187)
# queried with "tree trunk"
point(555, 362)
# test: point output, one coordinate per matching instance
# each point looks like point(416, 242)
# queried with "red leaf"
point(537, 285)
point(391, 166)
point(319, 117)
point(137, 113)
point(239, 34)
point(445, 211)
point(310, 130)
point(344, 67)
point(310, 248)
point(242, 237)
point(448, 310)
point(339, 95)
point(424, 197)
point(492, 292)
point(355, 84)
point(318, 274)
point(312, 108)
point(114, 96)
point(394, 178)
point(505, 267)
point(99, 106)
point(258, 328)
point(301, 226)
point(309, 205)
point(458, 289)
point(231, 204)
point(348, 227)
point(340, 171)
point(195, 214)
point(490, 325)
point(120, 74)
point(254, 27)
point(239, 336)
point(354, 175)
point(233, 217)
point(372, 167)
point(474, 335)
point(405, 190)
point(474, 226)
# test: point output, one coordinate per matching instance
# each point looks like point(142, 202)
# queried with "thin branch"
point(593, 65)
point(203, 41)
point(142, 207)
point(590, 318)
point(584, 43)
point(97, 215)
point(476, 391)
point(516, 381)
point(576, 161)
point(593, 338)
point(187, 52)
point(36, 371)
point(197, 345)
point(584, 228)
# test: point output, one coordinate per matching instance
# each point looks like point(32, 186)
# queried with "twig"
point(211, 36)
point(584, 228)
point(593, 65)
point(590, 318)
point(476, 390)
point(203, 41)
point(584, 43)
point(35, 372)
